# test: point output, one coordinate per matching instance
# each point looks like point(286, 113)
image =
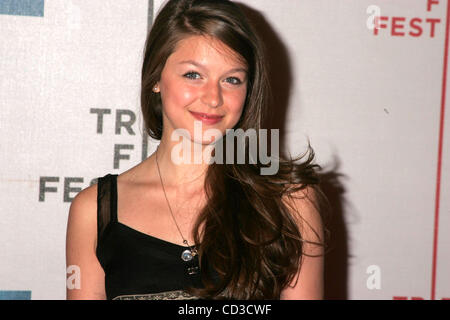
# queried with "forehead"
point(206, 51)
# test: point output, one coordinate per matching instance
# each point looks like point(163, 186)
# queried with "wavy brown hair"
point(251, 241)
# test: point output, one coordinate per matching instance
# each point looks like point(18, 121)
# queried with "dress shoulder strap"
point(106, 202)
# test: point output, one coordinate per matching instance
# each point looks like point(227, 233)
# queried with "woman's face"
point(202, 76)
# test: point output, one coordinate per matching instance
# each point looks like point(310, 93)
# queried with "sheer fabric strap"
point(106, 202)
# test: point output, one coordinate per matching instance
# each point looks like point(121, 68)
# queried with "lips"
point(206, 117)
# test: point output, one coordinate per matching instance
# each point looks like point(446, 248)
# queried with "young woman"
point(170, 229)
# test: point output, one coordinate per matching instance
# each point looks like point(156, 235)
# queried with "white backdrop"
point(371, 103)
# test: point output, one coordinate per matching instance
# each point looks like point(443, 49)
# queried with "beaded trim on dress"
point(167, 295)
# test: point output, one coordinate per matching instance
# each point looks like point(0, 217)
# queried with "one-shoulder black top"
point(137, 265)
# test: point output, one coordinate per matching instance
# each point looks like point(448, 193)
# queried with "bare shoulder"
point(308, 283)
point(81, 242)
point(82, 220)
point(304, 206)
point(305, 199)
point(84, 205)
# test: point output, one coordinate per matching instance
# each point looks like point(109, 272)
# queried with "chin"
point(205, 142)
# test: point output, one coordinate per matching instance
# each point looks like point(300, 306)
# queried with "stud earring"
point(155, 89)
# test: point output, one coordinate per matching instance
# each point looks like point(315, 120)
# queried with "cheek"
point(176, 96)
point(236, 103)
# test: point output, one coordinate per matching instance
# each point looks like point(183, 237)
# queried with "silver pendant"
point(186, 255)
point(193, 270)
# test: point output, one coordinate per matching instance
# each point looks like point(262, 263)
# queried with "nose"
point(212, 95)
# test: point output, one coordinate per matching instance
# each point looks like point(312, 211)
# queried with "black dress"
point(137, 265)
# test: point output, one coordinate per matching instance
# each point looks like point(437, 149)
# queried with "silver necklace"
point(187, 254)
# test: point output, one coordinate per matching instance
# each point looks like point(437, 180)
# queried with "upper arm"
point(308, 283)
point(81, 241)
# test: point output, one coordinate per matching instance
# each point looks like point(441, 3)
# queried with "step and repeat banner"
point(364, 80)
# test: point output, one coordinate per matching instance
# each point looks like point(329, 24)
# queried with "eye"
point(234, 80)
point(192, 75)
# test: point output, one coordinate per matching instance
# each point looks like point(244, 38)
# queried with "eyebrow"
point(201, 66)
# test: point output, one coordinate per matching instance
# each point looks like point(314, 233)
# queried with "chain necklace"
point(187, 254)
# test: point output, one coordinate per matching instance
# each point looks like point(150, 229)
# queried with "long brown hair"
point(250, 239)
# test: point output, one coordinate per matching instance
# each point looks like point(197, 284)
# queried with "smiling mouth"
point(207, 119)
point(206, 115)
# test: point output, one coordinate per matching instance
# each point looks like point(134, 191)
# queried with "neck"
point(183, 165)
